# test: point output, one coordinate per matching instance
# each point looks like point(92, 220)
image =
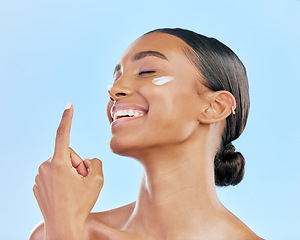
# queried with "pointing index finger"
point(62, 140)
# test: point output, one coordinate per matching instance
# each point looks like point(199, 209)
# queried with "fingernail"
point(69, 105)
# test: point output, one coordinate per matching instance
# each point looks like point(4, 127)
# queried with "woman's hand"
point(66, 196)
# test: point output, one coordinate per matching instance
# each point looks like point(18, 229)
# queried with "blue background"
point(53, 52)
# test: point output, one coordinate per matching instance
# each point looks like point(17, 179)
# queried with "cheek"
point(173, 112)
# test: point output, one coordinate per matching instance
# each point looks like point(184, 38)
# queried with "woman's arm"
point(66, 197)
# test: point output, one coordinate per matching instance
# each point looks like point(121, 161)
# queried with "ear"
point(220, 106)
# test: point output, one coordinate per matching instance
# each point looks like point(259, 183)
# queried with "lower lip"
point(124, 119)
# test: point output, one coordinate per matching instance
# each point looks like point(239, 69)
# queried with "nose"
point(119, 91)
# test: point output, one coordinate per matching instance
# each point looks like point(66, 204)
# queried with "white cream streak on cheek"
point(162, 80)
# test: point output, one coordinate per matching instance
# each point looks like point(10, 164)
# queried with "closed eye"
point(146, 72)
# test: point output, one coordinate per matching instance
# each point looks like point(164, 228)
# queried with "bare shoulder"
point(235, 229)
point(107, 221)
point(247, 234)
point(108, 224)
point(115, 218)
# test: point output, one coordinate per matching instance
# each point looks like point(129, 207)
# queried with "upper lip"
point(125, 106)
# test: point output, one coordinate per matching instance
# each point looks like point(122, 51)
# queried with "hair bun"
point(229, 166)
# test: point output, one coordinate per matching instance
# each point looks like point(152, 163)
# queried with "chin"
point(122, 148)
point(128, 148)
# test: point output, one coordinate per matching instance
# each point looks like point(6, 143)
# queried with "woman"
point(178, 101)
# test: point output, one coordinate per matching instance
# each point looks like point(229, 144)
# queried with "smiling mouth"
point(127, 113)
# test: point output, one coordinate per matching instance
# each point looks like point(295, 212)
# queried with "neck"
point(177, 190)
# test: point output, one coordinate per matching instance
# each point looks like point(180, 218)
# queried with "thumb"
point(94, 167)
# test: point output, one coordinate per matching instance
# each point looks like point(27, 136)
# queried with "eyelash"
point(145, 72)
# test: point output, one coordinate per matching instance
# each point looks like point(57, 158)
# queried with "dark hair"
point(222, 70)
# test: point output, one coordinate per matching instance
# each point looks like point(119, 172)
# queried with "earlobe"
point(221, 105)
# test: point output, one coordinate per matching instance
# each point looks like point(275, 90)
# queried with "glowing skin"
point(162, 80)
point(174, 133)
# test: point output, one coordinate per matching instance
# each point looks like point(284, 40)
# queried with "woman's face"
point(155, 84)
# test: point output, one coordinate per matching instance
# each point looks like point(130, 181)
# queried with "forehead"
point(166, 44)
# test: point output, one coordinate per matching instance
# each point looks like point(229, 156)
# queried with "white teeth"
point(128, 112)
point(119, 113)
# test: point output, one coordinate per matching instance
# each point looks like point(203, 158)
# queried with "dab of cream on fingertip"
point(162, 80)
point(68, 106)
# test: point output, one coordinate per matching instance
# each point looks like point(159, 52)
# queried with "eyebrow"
point(141, 55)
